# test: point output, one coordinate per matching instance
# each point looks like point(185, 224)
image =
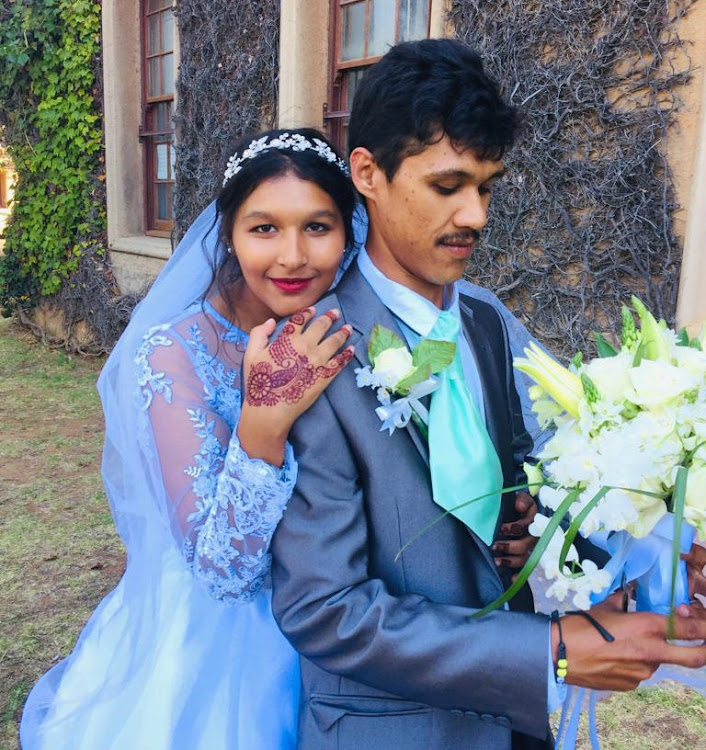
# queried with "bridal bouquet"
point(626, 466)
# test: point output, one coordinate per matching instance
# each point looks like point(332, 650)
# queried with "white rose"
point(611, 377)
point(393, 365)
point(692, 360)
point(658, 383)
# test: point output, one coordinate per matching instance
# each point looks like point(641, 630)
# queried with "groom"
point(389, 656)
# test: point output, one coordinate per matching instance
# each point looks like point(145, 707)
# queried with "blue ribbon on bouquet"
point(649, 562)
point(398, 413)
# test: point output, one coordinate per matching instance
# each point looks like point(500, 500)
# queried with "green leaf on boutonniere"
point(418, 376)
point(380, 339)
point(436, 354)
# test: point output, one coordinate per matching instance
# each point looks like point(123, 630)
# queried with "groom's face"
point(426, 221)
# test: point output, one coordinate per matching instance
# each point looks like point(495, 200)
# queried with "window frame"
point(4, 188)
point(336, 108)
point(149, 133)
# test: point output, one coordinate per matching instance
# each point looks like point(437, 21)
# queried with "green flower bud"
point(629, 335)
point(589, 389)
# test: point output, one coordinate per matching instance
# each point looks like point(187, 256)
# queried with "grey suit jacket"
point(389, 657)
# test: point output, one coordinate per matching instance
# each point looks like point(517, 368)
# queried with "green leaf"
point(605, 349)
point(383, 338)
point(575, 525)
point(437, 354)
point(534, 558)
point(683, 337)
point(639, 355)
point(678, 501)
point(418, 376)
point(577, 360)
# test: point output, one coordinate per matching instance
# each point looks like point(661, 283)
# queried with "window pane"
point(154, 5)
point(414, 20)
point(167, 31)
point(161, 116)
point(351, 79)
point(382, 26)
point(153, 87)
point(353, 31)
point(162, 202)
point(162, 161)
point(153, 35)
point(168, 74)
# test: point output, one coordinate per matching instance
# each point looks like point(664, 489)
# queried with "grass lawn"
point(59, 554)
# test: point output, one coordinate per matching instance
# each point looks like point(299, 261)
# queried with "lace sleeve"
point(224, 507)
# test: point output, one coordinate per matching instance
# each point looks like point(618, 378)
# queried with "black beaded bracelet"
point(562, 664)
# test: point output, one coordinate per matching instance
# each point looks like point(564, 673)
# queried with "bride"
point(197, 476)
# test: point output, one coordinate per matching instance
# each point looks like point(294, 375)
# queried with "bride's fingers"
point(301, 318)
point(319, 327)
point(259, 337)
point(336, 364)
point(331, 344)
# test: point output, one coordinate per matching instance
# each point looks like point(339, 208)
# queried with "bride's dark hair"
point(269, 164)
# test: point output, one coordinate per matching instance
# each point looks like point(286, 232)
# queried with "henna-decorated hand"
point(284, 378)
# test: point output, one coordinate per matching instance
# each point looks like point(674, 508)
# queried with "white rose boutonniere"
point(396, 371)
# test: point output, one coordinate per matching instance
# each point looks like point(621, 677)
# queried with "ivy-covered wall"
point(585, 218)
point(50, 107)
point(227, 88)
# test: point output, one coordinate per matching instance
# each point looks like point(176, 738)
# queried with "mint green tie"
point(462, 457)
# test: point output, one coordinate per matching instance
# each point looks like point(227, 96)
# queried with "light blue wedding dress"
point(184, 653)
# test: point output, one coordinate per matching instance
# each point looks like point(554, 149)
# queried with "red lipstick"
point(291, 286)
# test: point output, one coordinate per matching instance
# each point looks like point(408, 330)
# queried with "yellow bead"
point(561, 672)
point(562, 663)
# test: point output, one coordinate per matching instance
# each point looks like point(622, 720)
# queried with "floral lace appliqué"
point(235, 514)
point(231, 504)
point(150, 382)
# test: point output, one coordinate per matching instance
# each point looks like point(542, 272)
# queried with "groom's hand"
point(515, 544)
point(641, 645)
point(696, 570)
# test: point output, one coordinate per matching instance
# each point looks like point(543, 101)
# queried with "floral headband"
point(284, 142)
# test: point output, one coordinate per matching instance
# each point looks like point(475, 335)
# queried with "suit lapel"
point(483, 354)
point(362, 309)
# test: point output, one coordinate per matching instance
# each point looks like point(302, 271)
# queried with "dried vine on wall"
point(227, 88)
point(585, 218)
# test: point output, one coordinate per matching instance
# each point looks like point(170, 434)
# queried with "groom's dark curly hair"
point(420, 92)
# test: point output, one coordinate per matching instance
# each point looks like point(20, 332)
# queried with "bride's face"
point(289, 239)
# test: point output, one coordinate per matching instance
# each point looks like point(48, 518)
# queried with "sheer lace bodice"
point(223, 507)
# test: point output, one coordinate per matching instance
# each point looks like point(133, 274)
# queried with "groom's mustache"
point(464, 238)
